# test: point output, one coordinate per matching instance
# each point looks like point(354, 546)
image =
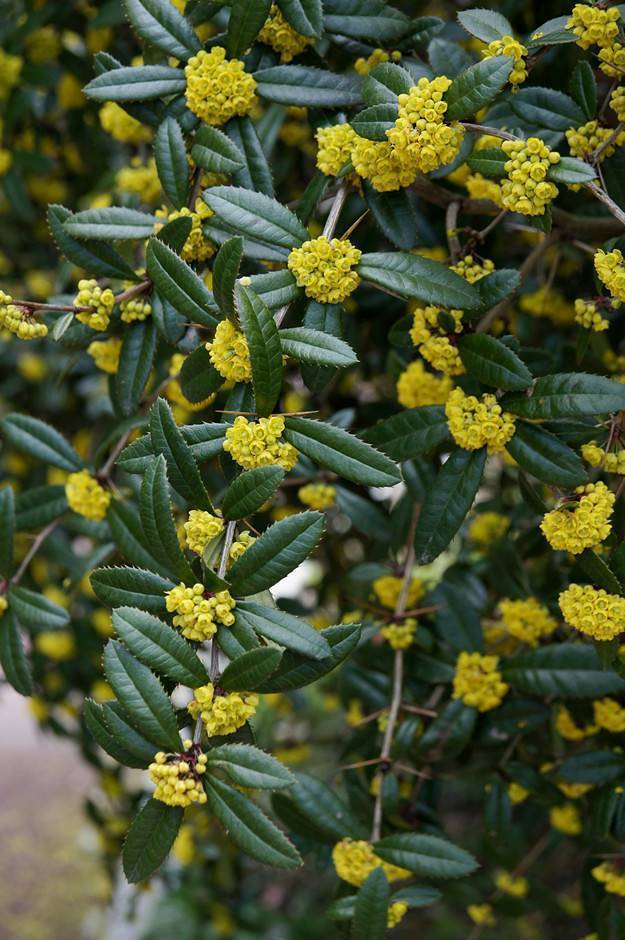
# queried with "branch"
point(603, 197)
point(32, 551)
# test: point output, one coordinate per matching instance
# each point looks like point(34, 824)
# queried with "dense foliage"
point(336, 288)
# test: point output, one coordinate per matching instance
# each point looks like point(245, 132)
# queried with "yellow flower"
point(593, 611)
point(477, 681)
point(388, 587)
point(516, 887)
point(386, 168)
point(334, 147)
point(317, 495)
point(583, 140)
point(230, 353)
point(550, 303)
point(18, 320)
point(420, 131)
point(396, 912)
point(240, 545)
point(611, 877)
point(612, 60)
point(218, 89)
point(509, 46)
point(613, 462)
point(517, 793)
point(525, 188)
point(101, 301)
point(121, 126)
point(487, 528)
point(566, 819)
point(257, 443)
point(86, 496)
point(174, 390)
point(527, 620)
point(573, 791)
point(224, 712)
point(416, 386)
point(69, 92)
point(43, 45)
point(609, 715)
point(478, 422)
point(568, 729)
point(58, 645)
point(105, 353)
point(10, 70)
point(197, 247)
point(354, 860)
point(433, 336)
point(617, 103)
point(581, 524)
point(479, 187)
point(141, 179)
point(364, 66)
point(198, 611)
point(178, 776)
point(610, 267)
point(471, 269)
point(400, 636)
point(278, 33)
point(593, 25)
point(481, 914)
point(323, 268)
point(589, 317)
point(200, 528)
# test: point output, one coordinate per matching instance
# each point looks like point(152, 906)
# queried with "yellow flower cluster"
point(230, 353)
point(4, 604)
point(85, 495)
point(527, 620)
point(420, 130)
point(135, 308)
point(511, 47)
point(478, 422)
point(479, 187)
point(218, 89)
point(387, 589)
point(200, 528)
point(386, 168)
point(597, 457)
point(101, 301)
point(196, 247)
point(609, 715)
point(278, 33)
point(612, 60)
point(178, 776)
point(257, 443)
point(323, 267)
point(473, 270)
point(140, 179)
point(105, 353)
point(477, 681)
point(121, 126)
point(335, 144)
point(240, 545)
point(317, 495)
point(354, 860)
point(617, 103)
point(10, 69)
point(17, 321)
point(364, 66)
point(526, 189)
point(416, 386)
point(58, 645)
point(516, 887)
point(43, 45)
point(610, 267)
point(395, 914)
point(400, 635)
point(566, 819)
point(589, 317)
point(550, 303)
point(174, 390)
point(594, 25)
point(611, 877)
point(580, 523)
point(585, 139)
point(435, 341)
point(593, 611)
point(198, 611)
point(567, 727)
point(487, 528)
point(574, 791)
point(482, 915)
point(222, 712)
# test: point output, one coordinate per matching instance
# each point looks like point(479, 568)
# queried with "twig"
point(491, 131)
point(596, 154)
point(603, 197)
point(133, 291)
point(35, 305)
point(491, 225)
point(32, 551)
point(451, 229)
point(105, 472)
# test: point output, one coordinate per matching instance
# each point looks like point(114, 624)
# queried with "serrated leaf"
point(114, 223)
point(583, 88)
point(341, 452)
point(142, 697)
point(489, 162)
point(598, 572)
point(412, 276)
point(7, 530)
point(447, 502)
point(425, 855)
point(248, 827)
point(171, 161)
point(250, 491)
point(38, 506)
point(283, 628)
point(135, 364)
point(98, 258)
point(117, 722)
point(570, 670)
point(250, 669)
point(36, 611)
point(375, 121)
point(182, 469)
point(313, 346)
point(245, 22)
point(132, 587)
point(199, 379)
point(179, 284)
point(13, 659)
point(280, 549)
point(487, 25)
point(491, 362)
point(594, 767)
point(457, 621)
point(248, 766)
point(320, 811)
point(213, 151)
point(128, 535)
point(295, 671)
point(371, 907)
point(567, 395)
point(364, 514)
point(545, 456)
point(263, 341)
point(365, 19)
point(38, 439)
point(395, 214)
point(150, 838)
point(225, 273)
point(136, 83)
point(546, 107)
point(159, 646)
point(477, 86)
point(411, 432)
point(158, 524)
point(256, 216)
point(570, 170)
point(109, 740)
point(385, 83)
point(160, 24)
point(306, 86)
point(305, 16)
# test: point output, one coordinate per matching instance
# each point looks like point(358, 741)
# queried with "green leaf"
point(99, 259)
point(128, 535)
point(412, 276)
point(317, 811)
point(295, 671)
point(36, 507)
point(329, 319)
point(546, 107)
point(363, 514)
point(263, 341)
point(38, 439)
point(305, 86)
point(553, 32)
point(114, 223)
point(457, 622)
point(256, 216)
point(150, 838)
point(250, 491)
point(364, 19)
point(477, 86)
point(448, 58)
point(179, 284)
point(13, 657)
point(182, 469)
point(447, 502)
point(158, 524)
point(199, 379)
point(371, 908)
point(35, 611)
point(225, 273)
point(545, 456)
point(494, 287)
point(583, 88)
point(245, 22)
point(486, 25)
point(314, 346)
point(159, 646)
point(135, 364)
point(425, 855)
point(341, 452)
point(213, 151)
point(276, 288)
point(142, 697)
point(451, 730)
point(133, 587)
point(374, 122)
point(570, 670)
point(385, 83)
point(280, 549)
point(410, 433)
point(594, 767)
point(493, 363)
point(567, 395)
point(489, 161)
point(395, 214)
point(110, 739)
point(7, 530)
point(597, 571)
point(160, 24)
point(283, 628)
point(248, 766)
point(571, 170)
point(248, 827)
point(305, 16)
point(251, 669)
point(205, 442)
point(171, 161)
point(136, 83)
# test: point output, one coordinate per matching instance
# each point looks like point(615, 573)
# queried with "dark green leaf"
point(179, 284)
point(594, 767)
point(114, 223)
point(150, 839)
point(158, 524)
point(570, 670)
point(248, 766)
point(38, 506)
point(412, 276)
point(568, 395)
point(136, 83)
point(425, 855)
point(199, 378)
point(583, 88)
point(158, 646)
point(263, 341)
point(135, 364)
point(364, 19)
point(374, 122)
point(128, 535)
point(306, 86)
point(489, 161)
point(545, 456)
point(99, 259)
point(110, 739)
point(7, 530)
point(13, 657)
point(491, 362)
point(250, 491)
point(477, 86)
point(168, 440)
point(171, 161)
point(133, 587)
point(487, 25)
point(280, 549)
point(36, 611)
point(283, 628)
point(213, 151)
point(319, 811)
point(256, 216)
point(411, 432)
point(225, 273)
point(570, 170)
point(251, 669)
point(371, 908)
point(305, 16)
point(314, 346)
point(160, 24)
point(546, 107)
point(38, 439)
point(296, 671)
point(245, 22)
